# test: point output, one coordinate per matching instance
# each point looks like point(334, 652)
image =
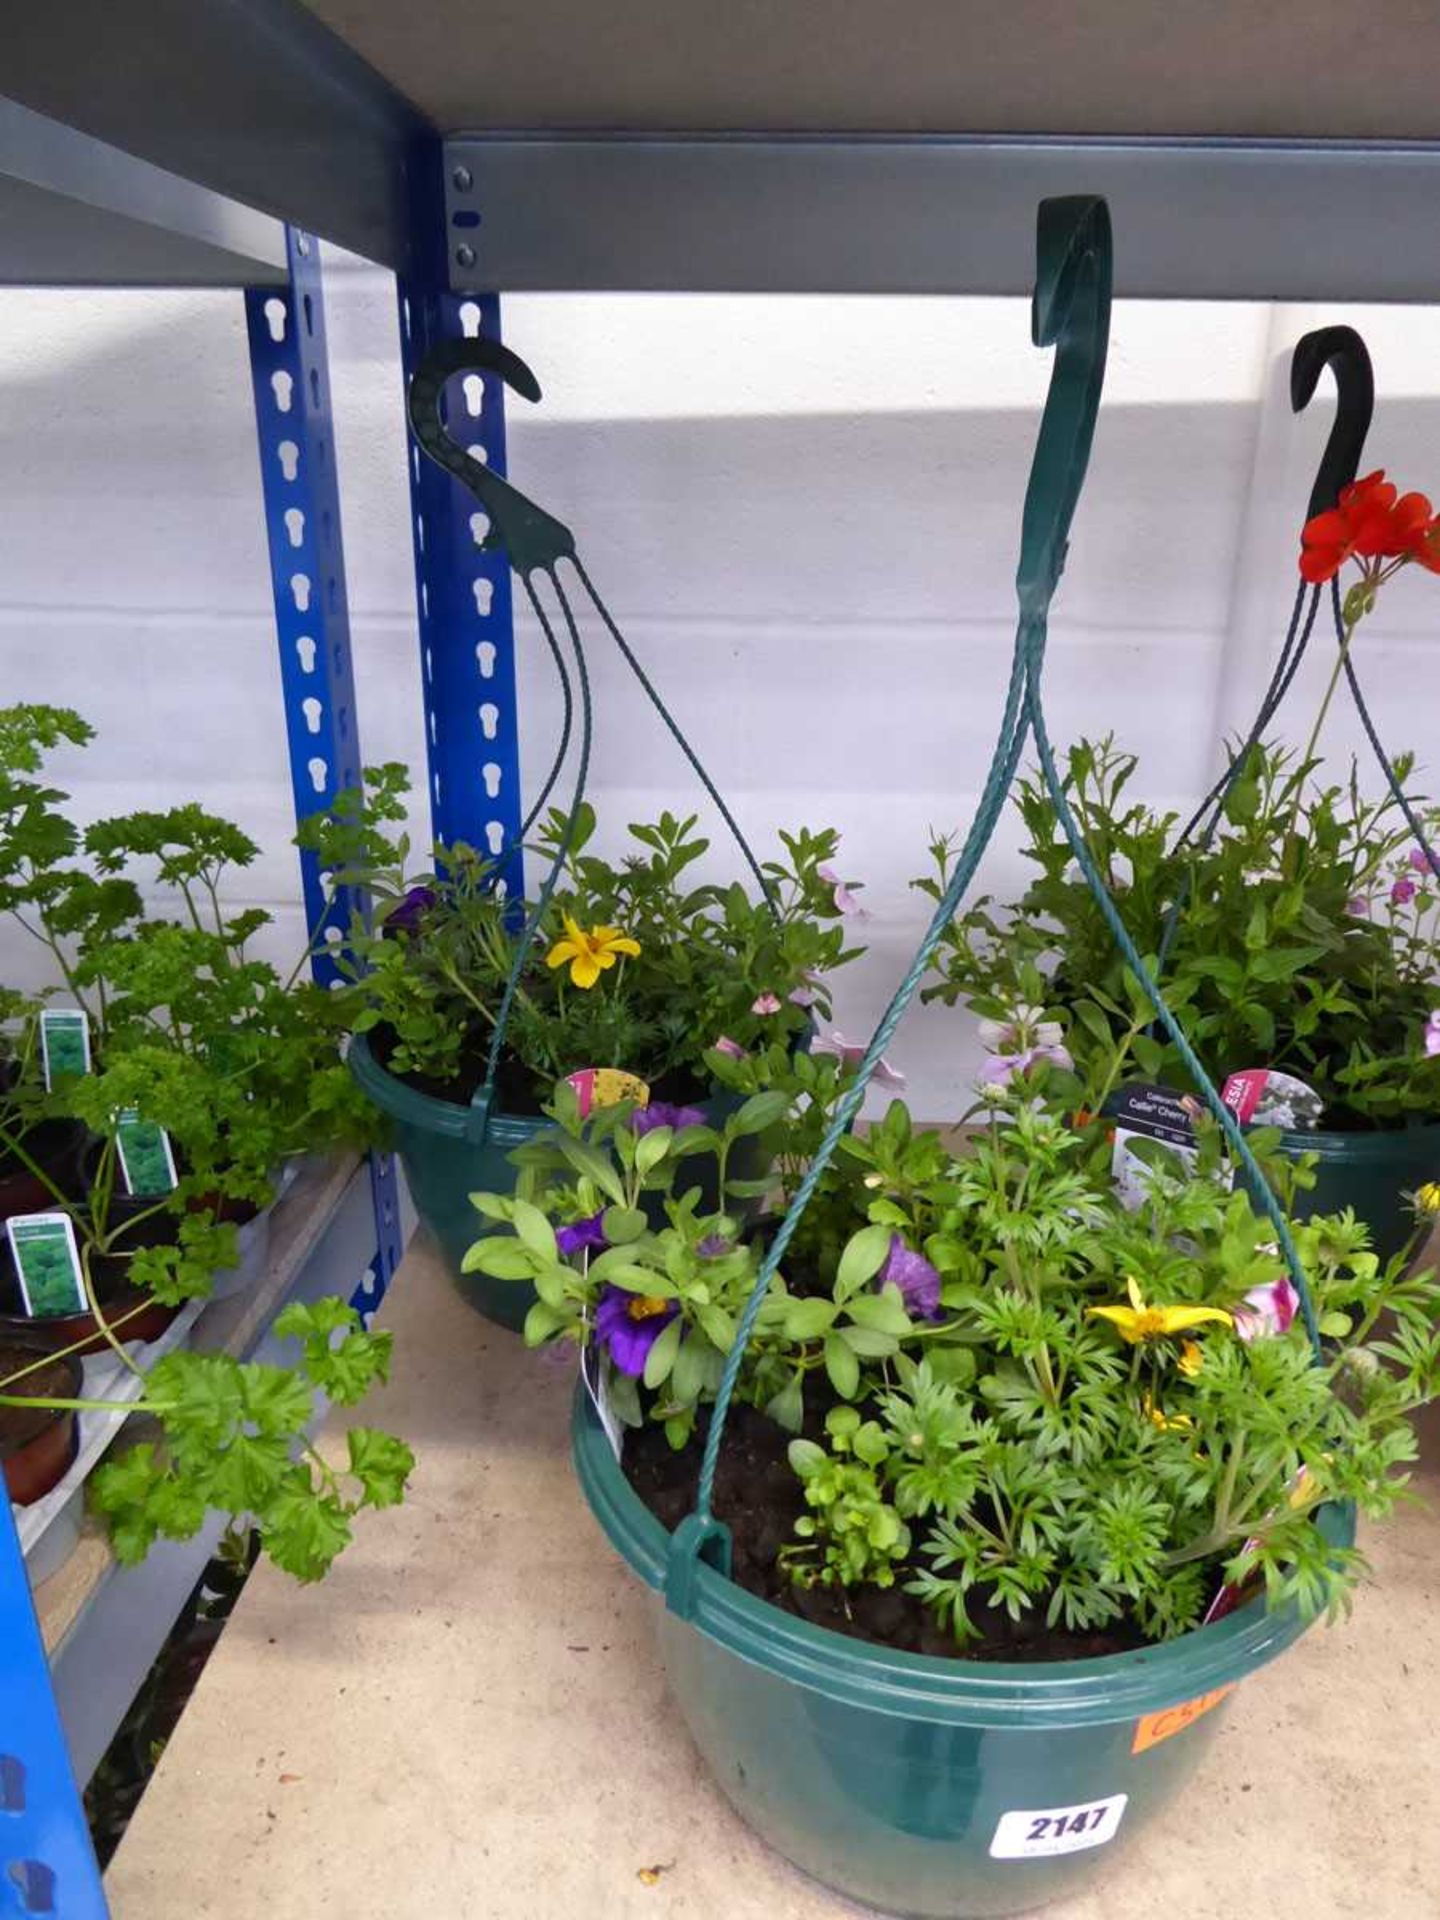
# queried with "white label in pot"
point(1031, 1833)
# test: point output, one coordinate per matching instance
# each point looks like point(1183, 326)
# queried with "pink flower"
point(1358, 907)
point(802, 997)
point(845, 900)
point(766, 1003)
point(850, 1055)
point(731, 1048)
point(1422, 862)
point(1402, 892)
point(1267, 1310)
point(1017, 1044)
point(1432, 1032)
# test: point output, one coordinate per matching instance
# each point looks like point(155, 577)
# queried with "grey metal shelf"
point(1246, 152)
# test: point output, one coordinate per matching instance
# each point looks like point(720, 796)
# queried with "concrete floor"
point(467, 1719)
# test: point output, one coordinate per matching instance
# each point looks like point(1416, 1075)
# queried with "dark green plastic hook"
point(534, 539)
point(1345, 353)
point(1071, 312)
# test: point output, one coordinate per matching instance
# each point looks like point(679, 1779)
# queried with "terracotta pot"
point(37, 1444)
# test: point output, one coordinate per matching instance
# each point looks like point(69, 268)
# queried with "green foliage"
point(234, 1440)
point(1013, 1451)
point(433, 977)
point(1271, 963)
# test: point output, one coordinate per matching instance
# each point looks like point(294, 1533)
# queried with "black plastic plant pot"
point(56, 1148)
point(1371, 1172)
point(933, 1789)
point(450, 1151)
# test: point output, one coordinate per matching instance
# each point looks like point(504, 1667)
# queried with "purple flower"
point(1422, 861)
point(1432, 1032)
point(627, 1325)
point(917, 1280)
point(731, 1048)
point(661, 1113)
point(715, 1246)
point(1403, 892)
point(1358, 907)
point(845, 900)
point(851, 1055)
point(765, 1003)
point(1267, 1310)
point(407, 915)
point(582, 1235)
point(802, 997)
point(1016, 1044)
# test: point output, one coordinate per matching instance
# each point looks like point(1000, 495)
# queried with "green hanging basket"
point(1372, 1173)
point(905, 1781)
point(450, 1151)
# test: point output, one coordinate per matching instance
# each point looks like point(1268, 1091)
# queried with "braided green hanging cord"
point(1234, 1138)
point(1072, 310)
point(558, 762)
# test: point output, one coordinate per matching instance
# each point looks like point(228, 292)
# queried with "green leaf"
point(661, 1357)
point(347, 1372)
point(864, 1255)
point(872, 1345)
point(594, 1164)
point(381, 1463)
point(687, 1379)
point(535, 1231)
point(623, 1225)
point(550, 1285)
point(499, 1256)
point(870, 1444)
point(842, 1366)
point(807, 1459)
point(637, 1279)
point(1335, 1325)
point(787, 1407)
point(808, 1319)
point(244, 1477)
point(303, 1531)
point(541, 1322)
point(652, 1147)
point(760, 1111)
point(884, 1312)
point(719, 1327)
point(276, 1400)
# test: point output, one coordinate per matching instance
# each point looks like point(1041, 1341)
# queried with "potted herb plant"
point(185, 1027)
point(1018, 1485)
point(631, 970)
point(234, 1439)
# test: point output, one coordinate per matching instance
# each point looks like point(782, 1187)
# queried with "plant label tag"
point(64, 1044)
point(147, 1164)
point(1259, 1098)
point(1148, 1113)
point(606, 1087)
point(1034, 1833)
point(47, 1263)
point(592, 1372)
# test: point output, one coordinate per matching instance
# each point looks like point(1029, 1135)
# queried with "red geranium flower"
point(1369, 522)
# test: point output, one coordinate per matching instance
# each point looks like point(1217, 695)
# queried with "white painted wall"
point(804, 512)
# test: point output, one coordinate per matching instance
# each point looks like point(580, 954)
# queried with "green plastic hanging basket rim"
point(1113, 1687)
point(1372, 1146)
point(425, 1112)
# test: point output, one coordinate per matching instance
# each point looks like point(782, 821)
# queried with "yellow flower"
point(1428, 1198)
point(1139, 1322)
point(1166, 1422)
point(1192, 1358)
point(589, 954)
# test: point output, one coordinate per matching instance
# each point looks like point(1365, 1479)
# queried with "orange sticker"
point(1156, 1727)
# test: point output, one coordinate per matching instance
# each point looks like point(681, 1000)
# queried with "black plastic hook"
point(1345, 353)
point(533, 538)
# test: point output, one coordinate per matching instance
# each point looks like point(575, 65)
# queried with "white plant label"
point(592, 1372)
point(1033, 1833)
